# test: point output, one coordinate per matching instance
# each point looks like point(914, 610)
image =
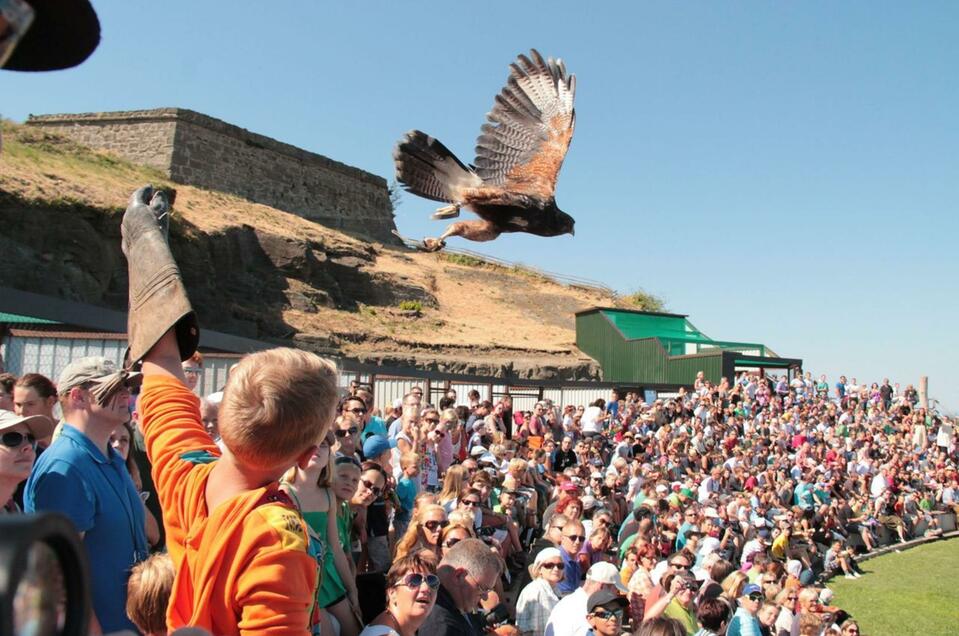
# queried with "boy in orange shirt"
point(238, 544)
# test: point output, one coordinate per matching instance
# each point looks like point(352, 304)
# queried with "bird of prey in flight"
point(511, 184)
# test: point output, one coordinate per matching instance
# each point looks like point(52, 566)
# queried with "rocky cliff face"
point(238, 277)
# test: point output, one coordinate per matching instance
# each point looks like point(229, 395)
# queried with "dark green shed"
point(663, 351)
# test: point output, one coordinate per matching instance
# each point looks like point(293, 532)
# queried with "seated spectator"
point(411, 592)
point(423, 532)
point(605, 613)
point(468, 572)
point(713, 615)
point(538, 599)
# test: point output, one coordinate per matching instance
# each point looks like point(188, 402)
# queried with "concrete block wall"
point(198, 150)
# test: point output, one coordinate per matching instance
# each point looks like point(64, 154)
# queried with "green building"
point(662, 352)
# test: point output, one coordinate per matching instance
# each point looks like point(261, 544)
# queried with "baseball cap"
point(589, 502)
point(604, 572)
point(61, 34)
point(751, 588)
point(40, 426)
point(478, 451)
point(94, 369)
point(569, 486)
point(603, 598)
point(376, 445)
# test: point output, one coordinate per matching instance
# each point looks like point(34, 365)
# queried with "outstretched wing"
point(522, 147)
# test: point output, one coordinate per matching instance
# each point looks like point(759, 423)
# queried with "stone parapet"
point(194, 149)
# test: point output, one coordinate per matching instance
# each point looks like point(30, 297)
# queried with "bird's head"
point(567, 224)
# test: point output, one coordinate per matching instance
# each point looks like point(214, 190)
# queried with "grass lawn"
point(901, 594)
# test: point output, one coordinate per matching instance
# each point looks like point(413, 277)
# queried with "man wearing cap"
point(744, 621)
point(81, 476)
point(604, 613)
point(568, 618)
point(18, 451)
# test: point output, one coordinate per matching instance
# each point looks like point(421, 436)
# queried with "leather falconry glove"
point(158, 299)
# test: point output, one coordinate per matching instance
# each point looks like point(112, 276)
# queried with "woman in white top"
point(411, 588)
point(538, 599)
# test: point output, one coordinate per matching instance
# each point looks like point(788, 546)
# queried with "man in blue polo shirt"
point(574, 535)
point(82, 477)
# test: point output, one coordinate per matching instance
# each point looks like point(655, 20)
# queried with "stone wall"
point(198, 150)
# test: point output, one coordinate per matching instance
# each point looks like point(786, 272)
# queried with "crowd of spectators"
point(723, 509)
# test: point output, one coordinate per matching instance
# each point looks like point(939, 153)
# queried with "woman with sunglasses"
point(371, 485)
point(423, 532)
point(311, 489)
point(18, 451)
point(540, 596)
point(454, 533)
point(411, 588)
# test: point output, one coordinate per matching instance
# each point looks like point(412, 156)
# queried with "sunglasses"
point(416, 580)
point(433, 526)
point(350, 431)
point(470, 502)
point(605, 614)
point(575, 538)
point(432, 420)
point(369, 484)
point(755, 597)
point(357, 411)
point(15, 440)
point(551, 566)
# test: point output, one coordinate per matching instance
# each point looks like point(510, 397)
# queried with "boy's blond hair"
point(148, 593)
point(276, 404)
point(409, 459)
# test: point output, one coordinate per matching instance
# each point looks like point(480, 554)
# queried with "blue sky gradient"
point(785, 173)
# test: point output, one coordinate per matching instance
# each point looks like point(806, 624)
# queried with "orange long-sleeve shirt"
point(242, 568)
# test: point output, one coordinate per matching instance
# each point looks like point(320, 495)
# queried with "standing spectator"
point(311, 488)
point(193, 370)
point(121, 441)
point(81, 476)
point(7, 381)
point(18, 442)
point(34, 394)
point(468, 573)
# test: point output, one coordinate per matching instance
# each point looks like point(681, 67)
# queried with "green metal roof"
point(670, 329)
point(17, 319)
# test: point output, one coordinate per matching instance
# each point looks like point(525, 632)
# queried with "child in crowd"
point(407, 488)
point(238, 544)
point(148, 593)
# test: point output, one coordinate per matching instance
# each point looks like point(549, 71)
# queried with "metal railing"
point(565, 279)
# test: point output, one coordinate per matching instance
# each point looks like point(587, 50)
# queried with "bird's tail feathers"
point(427, 168)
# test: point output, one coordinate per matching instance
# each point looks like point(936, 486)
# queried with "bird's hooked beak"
point(572, 231)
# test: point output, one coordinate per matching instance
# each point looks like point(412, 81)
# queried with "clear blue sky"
point(786, 173)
